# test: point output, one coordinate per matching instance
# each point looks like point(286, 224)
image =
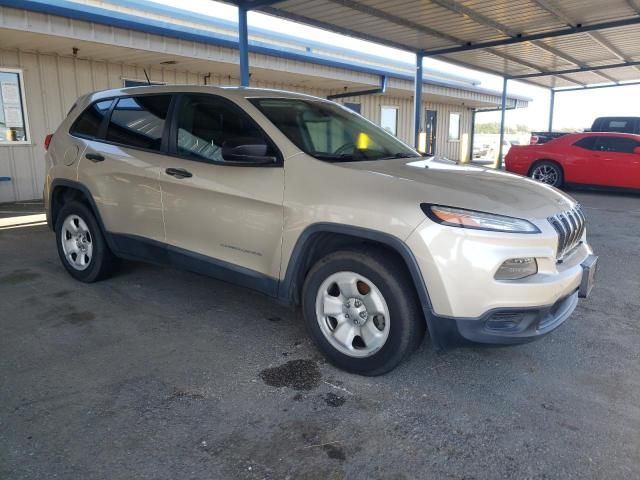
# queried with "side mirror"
point(636, 150)
point(247, 155)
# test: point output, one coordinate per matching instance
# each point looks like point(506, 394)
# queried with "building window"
point(389, 119)
point(14, 127)
point(353, 106)
point(454, 126)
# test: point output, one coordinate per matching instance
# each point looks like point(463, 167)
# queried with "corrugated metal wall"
point(52, 83)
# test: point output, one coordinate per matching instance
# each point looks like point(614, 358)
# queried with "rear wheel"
point(361, 309)
point(547, 172)
point(81, 246)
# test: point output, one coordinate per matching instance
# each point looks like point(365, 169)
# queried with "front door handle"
point(178, 172)
point(94, 157)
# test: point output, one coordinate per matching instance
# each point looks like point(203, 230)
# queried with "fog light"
point(517, 268)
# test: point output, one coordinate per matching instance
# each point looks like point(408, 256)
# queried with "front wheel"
point(361, 309)
point(549, 173)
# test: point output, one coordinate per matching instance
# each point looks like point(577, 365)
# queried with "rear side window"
point(139, 121)
point(88, 123)
point(615, 144)
point(587, 142)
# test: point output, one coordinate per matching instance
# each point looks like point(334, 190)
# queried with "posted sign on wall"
point(10, 93)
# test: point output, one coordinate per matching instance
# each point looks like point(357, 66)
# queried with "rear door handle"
point(178, 172)
point(94, 157)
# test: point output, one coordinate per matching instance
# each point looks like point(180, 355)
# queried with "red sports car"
point(607, 159)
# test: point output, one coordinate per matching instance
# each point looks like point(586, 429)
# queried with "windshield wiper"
point(345, 157)
point(397, 155)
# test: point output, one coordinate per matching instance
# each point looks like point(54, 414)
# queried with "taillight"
point(533, 140)
point(47, 141)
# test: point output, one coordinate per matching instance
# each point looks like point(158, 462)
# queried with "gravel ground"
point(162, 374)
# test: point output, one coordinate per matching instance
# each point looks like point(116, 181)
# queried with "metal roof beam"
point(374, 12)
point(575, 70)
point(477, 17)
point(530, 65)
point(403, 22)
point(595, 36)
point(536, 36)
point(593, 87)
point(480, 19)
point(255, 4)
point(570, 59)
point(334, 28)
point(449, 5)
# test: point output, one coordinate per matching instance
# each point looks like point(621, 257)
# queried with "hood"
point(471, 187)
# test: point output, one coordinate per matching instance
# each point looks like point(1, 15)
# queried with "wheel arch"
point(63, 191)
point(320, 239)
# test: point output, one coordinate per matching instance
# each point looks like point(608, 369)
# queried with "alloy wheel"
point(77, 243)
point(545, 174)
point(352, 314)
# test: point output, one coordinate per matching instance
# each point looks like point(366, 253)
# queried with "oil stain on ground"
point(61, 294)
point(185, 394)
point(296, 374)
point(18, 276)
point(79, 317)
point(335, 452)
point(334, 400)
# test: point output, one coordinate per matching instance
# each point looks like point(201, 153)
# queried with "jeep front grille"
point(570, 226)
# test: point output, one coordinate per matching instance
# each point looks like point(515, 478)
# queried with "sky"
point(575, 110)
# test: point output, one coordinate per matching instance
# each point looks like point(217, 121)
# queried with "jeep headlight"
point(463, 218)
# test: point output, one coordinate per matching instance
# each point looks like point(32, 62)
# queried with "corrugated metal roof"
point(566, 37)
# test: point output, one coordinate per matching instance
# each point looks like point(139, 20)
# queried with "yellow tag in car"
point(363, 141)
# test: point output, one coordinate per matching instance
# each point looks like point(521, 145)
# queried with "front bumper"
point(467, 303)
point(504, 326)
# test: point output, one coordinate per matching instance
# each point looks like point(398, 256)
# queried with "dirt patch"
point(18, 276)
point(296, 374)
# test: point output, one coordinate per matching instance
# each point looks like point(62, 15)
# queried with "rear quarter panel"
point(519, 158)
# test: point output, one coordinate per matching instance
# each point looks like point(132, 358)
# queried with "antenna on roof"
point(147, 76)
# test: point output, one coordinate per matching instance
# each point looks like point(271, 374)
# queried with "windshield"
point(329, 132)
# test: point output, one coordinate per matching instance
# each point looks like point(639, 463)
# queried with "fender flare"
point(288, 285)
point(62, 182)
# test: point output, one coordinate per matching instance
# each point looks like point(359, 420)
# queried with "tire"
point(548, 173)
point(391, 329)
point(93, 260)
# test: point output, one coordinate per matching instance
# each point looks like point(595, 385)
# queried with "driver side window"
point(210, 129)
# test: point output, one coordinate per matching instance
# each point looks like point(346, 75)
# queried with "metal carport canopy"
point(553, 44)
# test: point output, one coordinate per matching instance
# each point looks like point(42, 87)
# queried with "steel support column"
point(417, 99)
point(552, 102)
point(473, 134)
point(503, 110)
point(243, 43)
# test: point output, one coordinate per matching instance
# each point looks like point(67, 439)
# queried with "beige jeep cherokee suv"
point(305, 201)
